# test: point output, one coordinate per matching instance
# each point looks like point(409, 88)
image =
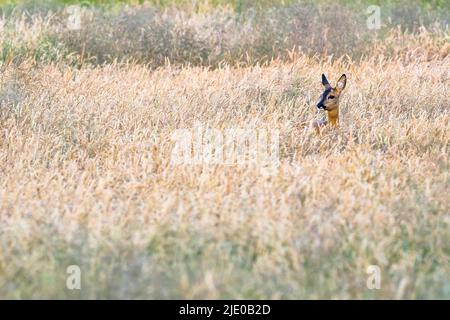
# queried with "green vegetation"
point(152, 35)
point(237, 5)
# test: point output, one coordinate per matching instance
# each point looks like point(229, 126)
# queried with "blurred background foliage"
point(214, 32)
point(237, 5)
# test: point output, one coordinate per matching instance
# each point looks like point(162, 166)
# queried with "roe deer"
point(329, 101)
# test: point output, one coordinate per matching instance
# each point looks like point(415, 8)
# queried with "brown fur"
point(329, 101)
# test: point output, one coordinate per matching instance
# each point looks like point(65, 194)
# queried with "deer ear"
point(341, 83)
point(325, 82)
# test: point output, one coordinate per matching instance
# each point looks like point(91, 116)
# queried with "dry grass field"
point(86, 176)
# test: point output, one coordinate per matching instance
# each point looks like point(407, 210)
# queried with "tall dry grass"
point(219, 36)
point(85, 179)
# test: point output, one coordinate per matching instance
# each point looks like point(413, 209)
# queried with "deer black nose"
point(320, 105)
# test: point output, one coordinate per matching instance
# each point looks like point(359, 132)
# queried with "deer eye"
point(330, 97)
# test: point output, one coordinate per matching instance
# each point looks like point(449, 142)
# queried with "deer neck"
point(333, 117)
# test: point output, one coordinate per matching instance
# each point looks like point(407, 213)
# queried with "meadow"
point(88, 109)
